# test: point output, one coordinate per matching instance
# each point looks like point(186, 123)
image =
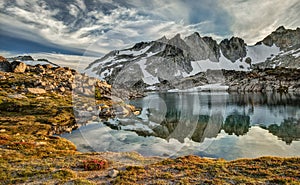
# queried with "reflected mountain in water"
point(288, 131)
point(203, 115)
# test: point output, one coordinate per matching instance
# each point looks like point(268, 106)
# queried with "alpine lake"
point(207, 124)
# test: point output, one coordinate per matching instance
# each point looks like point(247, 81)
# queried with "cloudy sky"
point(95, 27)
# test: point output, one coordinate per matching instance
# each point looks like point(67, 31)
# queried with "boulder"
point(17, 96)
point(62, 89)
point(113, 173)
point(2, 77)
point(5, 66)
point(18, 67)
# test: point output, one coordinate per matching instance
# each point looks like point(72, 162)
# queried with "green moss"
point(63, 174)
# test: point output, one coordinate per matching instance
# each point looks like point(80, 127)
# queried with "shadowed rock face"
point(5, 66)
point(199, 50)
point(233, 49)
point(214, 54)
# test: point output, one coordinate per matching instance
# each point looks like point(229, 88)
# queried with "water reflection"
point(204, 115)
point(228, 126)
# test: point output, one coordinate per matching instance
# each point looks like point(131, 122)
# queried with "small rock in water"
point(113, 173)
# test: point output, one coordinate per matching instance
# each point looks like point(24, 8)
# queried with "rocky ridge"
point(151, 65)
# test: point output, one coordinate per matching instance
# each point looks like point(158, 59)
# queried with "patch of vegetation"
point(196, 170)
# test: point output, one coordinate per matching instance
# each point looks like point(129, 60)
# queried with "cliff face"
point(233, 49)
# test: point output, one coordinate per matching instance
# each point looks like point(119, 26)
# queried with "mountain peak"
point(282, 38)
point(162, 39)
point(280, 29)
point(176, 37)
point(195, 34)
point(233, 49)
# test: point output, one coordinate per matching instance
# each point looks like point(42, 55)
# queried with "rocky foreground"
point(37, 102)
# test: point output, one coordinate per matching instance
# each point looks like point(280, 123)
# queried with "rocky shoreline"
point(279, 79)
point(264, 80)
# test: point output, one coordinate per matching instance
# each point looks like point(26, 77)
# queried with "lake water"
point(208, 124)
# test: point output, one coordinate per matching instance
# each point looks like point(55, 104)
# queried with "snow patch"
point(260, 53)
point(297, 54)
point(224, 63)
point(133, 52)
point(148, 78)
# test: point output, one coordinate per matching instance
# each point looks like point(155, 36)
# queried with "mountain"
point(28, 60)
point(167, 61)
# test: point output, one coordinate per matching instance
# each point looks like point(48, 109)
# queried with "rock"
point(41, 143)
point(62, 89)
point(5, 66)
point(120, 110)
point(18, 67)
point(106, 112)
point(47, 66)
point(49, 87)
point(2, 77)
point(16, 96)
point(88, 92)
point(113, 173)
point(137, 112)
point(23, 58)
point(90, 81)
point(36, 90)
point(72, 86)
point(89, 109)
